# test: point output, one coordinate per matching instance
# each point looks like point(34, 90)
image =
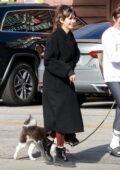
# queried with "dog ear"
point(29, 116)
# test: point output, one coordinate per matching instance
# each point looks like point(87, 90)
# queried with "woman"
point(111, 71)
point(60, 106)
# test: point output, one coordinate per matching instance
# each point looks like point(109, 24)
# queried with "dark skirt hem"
point(64, 132)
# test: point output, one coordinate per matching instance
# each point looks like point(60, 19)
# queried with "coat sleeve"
point(77, 53)
point(52, 64)
point(76, 58)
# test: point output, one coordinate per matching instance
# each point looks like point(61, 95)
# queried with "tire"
point(21, 86)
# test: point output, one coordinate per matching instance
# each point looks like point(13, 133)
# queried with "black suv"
point(23, 32)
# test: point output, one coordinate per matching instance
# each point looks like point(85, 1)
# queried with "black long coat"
point(61, 110)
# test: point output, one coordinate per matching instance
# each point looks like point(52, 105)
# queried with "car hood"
point(93, 31)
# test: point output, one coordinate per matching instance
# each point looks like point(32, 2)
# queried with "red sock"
point(60, 139)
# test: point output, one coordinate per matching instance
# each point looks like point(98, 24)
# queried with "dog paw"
point(32, 159)
point(14, 156)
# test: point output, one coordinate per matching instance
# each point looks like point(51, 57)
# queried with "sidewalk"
point(91, 154)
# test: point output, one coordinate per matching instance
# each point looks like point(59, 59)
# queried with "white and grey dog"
point(31, 134)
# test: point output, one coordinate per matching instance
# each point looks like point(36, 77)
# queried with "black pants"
point(115, 90)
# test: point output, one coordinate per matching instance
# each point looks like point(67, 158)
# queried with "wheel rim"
point(23, 84)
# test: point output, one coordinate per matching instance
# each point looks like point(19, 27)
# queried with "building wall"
point(90, 10)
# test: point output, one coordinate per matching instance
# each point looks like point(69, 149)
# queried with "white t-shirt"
point(111, 54)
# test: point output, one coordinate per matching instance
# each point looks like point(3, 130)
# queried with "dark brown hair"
point(116, 13)
point(62, 11)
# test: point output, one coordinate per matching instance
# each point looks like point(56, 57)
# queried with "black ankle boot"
point(70, 138)
point(45, 146)
point(61, 158)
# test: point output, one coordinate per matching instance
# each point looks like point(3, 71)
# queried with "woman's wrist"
point(70, 73)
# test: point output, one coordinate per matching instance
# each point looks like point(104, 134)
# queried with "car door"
point(13, 29)
point(41, 22)
point(40, 27)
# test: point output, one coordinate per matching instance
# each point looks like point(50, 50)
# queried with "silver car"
point(89, 75)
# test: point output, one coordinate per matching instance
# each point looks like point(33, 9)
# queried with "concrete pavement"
point(91, 154)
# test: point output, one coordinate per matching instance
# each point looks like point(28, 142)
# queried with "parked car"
point(24, 29)
point(89, 76)
point(23, 32)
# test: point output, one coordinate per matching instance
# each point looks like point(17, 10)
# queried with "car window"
point(15, 21)
point(91, 31)
point(52, 13)
point(40, 20)
point(79, 23)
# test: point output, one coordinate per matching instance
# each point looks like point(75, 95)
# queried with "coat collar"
point(63, 34)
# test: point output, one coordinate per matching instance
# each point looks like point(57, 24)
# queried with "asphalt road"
point(92, 153)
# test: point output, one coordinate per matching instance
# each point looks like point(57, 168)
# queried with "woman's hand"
point(72, 78)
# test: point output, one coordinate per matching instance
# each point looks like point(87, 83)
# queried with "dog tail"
point(27, 121)
point(30, 121)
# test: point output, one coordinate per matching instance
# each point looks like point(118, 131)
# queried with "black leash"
point(77, 142)
point(99, 124)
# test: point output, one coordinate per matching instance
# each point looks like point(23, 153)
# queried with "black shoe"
point(71, 139)
point(45, 146)
point(61, 159)
point(115, 151)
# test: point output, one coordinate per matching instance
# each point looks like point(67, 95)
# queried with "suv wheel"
point(21, 86)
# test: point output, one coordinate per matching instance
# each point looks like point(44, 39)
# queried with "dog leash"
point(98, 125)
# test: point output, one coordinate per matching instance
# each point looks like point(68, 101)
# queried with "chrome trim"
point(88, 41)
point(98, 87)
